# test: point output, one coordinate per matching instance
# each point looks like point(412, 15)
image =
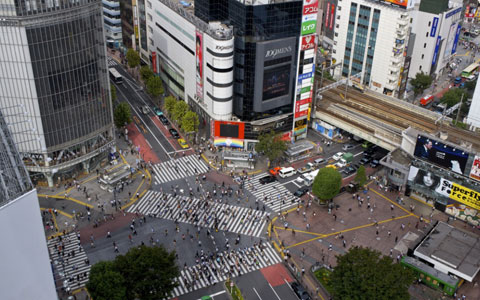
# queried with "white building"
point(112, 22)
point(196, 58)
point(370, 39)
point(434, 36)
point(473, 118)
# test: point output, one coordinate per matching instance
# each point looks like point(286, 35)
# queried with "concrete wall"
point(24, 260)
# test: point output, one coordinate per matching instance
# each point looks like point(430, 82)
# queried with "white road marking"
point(257, 294)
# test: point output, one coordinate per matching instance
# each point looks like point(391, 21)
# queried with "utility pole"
point(459, 108)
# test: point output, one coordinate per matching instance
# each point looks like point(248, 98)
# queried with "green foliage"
point(148, 272)
point(113, 91)
point(470, 85)
point(235, 291)
point(154, 86)
point(453, 96)
point(146, 73)
point(420, 82)
point(459, 124)
point(170, 102)
point(361, 176)
point(179, 110)
point(327, 75)
point(271, 145)
point(327, 183)
point(133, 58)
point(105, 282)
point(122, 115)
point(323, 275)
point(190, 121)
point(363, 273)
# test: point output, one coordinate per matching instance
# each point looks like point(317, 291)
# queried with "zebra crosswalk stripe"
point(70, 266)
point(179, 168)
point(230, 218)
point(279, 198)
point(264, 257)
point(111, 62)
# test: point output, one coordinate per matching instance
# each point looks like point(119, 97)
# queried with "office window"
point(429, 23)
point(425, 45)
point(423, 55)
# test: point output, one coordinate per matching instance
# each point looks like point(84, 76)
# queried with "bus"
point(115, 76)
point(470, 70)
point(114, 179)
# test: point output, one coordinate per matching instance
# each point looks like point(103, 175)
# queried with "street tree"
point(146, 73)
point(190, 122)
point(105, 282)
point(149, 272)
point(133, 58)
point(154, 86)
point(122, 115)
point(170, 102)
point(113, 91)
point(453, 96)
point(179, 110)
point(327, 183)
point(421, 82)
point(361, 176)
point(470, 85)
point(271, 145)
point(362, 273)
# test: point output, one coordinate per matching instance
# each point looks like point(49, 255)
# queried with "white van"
point(287, 172)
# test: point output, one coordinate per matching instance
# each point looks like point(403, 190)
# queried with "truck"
point(426, 100)
point(346, 159)
point(307, 168)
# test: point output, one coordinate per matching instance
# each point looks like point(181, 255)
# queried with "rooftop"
point(452, 247)
point(434, 6)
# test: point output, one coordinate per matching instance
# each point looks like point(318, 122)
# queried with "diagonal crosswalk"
point(278, 197)
point(69, 259)
point(179, 168)
point(230, 264)
point(183, 209)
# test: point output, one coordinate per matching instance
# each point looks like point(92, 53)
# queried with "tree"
point(363, 273)
point(133, 58)
point(146, 73)
point(105, 283)
point(271, 145)
point(122, 115)
point(327, 183)
point(453, 96)
point(154, 86)
point(361, 177)
point(470, 85)
point(149, 272)
point(190, 121)
point(420, 82)
point(170, 102)
point(179, 110)
point(113, 91)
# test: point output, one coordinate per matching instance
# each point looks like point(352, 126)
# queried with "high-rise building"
point(26, 269)
point(54, 86)
point(129, 19)
point(245, 67)
point(473, 117)
point(112, 23)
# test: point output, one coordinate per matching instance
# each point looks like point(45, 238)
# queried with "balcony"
point(396, 59)
point(403, 21)
point(111, 12)
point(393, 77)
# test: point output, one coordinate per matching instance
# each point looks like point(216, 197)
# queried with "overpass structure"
point(383, 120)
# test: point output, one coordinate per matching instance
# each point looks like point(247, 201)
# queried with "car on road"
point(318, 161)
point(338, 155)
point(348, 147)
point(164, 120)
point(349, 170)
point(267, 179)
point(274, 171)
point(374, 163)
point(182, 143)
point(145, 109)
point(300, 291)
point(331, 166)
point(157, 111)
point(301, 191)
point(365, 160)
point(174, 133)
point(341, 163)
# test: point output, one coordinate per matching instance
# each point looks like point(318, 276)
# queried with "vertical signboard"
point(455, 41)
point(306, 66)
point(154, 62)
point(433, 31)
point(199, 62)
point(435, 54)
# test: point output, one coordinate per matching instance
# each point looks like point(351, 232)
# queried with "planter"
point(321, 275)
point(233, 290)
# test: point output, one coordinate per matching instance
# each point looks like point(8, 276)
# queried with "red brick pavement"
point(138, 139)
point(120, 221)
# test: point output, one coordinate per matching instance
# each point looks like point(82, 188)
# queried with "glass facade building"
point(54, 72)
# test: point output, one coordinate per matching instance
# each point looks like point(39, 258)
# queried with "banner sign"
point(199, 62)
point(154, 62)
point(475, 171)
point(433, 31)
point(459, 193)
point(457, 35)
point(435, 54)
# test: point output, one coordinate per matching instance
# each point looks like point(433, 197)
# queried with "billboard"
point(441, 154)
point(395, 3)
point(154, 62)
point(441, 187)
point(329, 16)
point(308, 42)
point(310, 7)
point(455, 41)
point(276, 82)
point(227, 129)
point(309, 16)
point(199, 62)
point(433, 31)
point(435, 54)
point(475, 171)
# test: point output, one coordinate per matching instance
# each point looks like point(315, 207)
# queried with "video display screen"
point(441, 154)
point(276, 82)
point(229, 130)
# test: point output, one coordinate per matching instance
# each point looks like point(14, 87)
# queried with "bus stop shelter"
point(300, 150)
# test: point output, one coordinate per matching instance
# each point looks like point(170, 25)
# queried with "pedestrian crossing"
point(175, 169)
point(236, 219)
point(111, 62)
point(227, 265)
point(278, 197)
point(70, 260)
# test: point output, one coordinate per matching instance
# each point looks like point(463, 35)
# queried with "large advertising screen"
point(276, 82)
point(475, 171)
point(441, 154)
point(395, 3)
point(199, 63)
point(439, 187)
point(227, 129)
